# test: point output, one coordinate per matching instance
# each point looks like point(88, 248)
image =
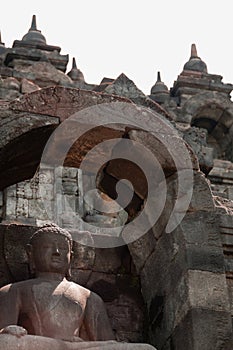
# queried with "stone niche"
point(109, 272)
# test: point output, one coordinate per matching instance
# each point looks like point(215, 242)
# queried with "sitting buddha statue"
point(51, 312)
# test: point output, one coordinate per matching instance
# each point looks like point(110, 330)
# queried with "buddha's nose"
point(56, 250)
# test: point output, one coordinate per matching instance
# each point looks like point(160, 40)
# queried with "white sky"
point(135, 37)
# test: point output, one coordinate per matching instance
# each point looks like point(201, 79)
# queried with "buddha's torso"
point(52, 309)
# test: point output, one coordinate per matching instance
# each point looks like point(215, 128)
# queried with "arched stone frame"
point(44, 109)
point(174, 268)
point(212, 111)
point(182, 275)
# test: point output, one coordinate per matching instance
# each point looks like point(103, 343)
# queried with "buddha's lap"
point(29, 342)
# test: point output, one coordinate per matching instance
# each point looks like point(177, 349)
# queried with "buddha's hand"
point(77, 339)
point(73, 339)
point(14, 330)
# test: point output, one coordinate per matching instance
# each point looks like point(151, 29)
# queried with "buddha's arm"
point(96, 321)
point(9, 306)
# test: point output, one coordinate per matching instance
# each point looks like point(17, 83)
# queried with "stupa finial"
point(193, 51)
point(33, 25)
point(74, 65)
point(1, 43)
point(158, 77)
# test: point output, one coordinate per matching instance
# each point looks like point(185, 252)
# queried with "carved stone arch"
point(194, 103)
point(20, 157)
point(175, 266)
point(213, 112)
point(27, 123)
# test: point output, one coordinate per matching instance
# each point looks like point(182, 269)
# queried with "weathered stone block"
point(46, 176)
point(227, 239)
point(208, 290)
point(69, 220)
point(80, 276)
point(70, 203)
point(10, 191)
point(46, 191)
point(1, 198)
point(6, 72)
point(108, 260)
point(83, 257)
point(28, 190)
point(20, 191)
point(206, 258)
point(104, 285)
point(204, 231)
point(70, 173)
point(126, 314)
point(195, 290)
point(15, 239)
point(21, 207)
point(202, 198)
point(167, 309)
point(203, 330)
point(164, 267)
point(59, 203)
point(28, 86)
point(40, 210)
point(22, 75)
point(10, 207)
point(229, 192)
point(142, 248)
point(58, 171)
point(226, 221)
point(69, 187)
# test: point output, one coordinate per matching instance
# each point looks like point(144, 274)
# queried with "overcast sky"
point(137, 37)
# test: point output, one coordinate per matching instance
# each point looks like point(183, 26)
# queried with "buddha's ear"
point(68, 272)
point(29, 249)
point(30, 259)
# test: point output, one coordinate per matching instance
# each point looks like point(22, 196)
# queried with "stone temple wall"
point(49, 196)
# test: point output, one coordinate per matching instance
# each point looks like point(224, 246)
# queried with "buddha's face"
point(51, 253)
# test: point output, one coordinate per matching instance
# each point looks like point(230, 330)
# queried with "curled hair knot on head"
point(51, 228)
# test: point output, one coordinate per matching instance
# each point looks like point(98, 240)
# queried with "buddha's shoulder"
point(15, 287)
point(84, 292)
point(77, 288)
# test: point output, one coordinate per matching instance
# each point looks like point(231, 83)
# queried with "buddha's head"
point(50, 250)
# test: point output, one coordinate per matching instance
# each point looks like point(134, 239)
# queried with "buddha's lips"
point(56, 260)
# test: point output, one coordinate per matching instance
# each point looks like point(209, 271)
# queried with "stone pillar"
point(184, 282)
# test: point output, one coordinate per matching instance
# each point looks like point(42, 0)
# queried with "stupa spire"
point(158, 77)
point(1, 43)
point(33, 25)
point(74, 65)
point(193, 51)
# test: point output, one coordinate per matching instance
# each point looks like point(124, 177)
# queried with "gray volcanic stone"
point(28, 87)
point(46, 74)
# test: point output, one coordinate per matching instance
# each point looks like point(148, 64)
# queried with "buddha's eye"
point(46, 246)
point(62, 248)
